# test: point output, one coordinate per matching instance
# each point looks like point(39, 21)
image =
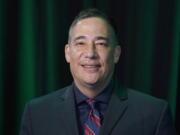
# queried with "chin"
point(91, 79)
point(91, 82)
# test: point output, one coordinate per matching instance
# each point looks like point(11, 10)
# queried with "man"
point(95, 103)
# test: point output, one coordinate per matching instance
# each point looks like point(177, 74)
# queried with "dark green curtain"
point(32, 38)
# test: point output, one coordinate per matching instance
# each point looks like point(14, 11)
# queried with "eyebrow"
point(97, 38)
point(79, 38)
point(102, 38)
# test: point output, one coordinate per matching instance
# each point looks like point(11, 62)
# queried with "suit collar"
point(103, 97)
point(120, 90)
point(116, 108)
point(67, 112)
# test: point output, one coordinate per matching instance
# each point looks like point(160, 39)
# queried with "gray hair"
point(92, 12)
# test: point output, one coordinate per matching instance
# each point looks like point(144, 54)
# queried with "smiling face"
point(92, 53)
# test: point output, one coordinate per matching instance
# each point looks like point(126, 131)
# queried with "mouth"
point(91, 68)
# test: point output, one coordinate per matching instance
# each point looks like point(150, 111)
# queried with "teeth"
point(90, 66)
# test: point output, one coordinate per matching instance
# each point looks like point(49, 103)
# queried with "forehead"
point(91, 27)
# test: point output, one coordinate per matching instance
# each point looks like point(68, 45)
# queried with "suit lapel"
point(67, 113)
point(116, 108)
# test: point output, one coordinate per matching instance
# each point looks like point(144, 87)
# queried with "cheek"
point(74, 55)
point(108, 56)
point(107, 60)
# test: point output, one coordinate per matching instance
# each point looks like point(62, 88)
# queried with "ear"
point(117, 53)
point(66, 50)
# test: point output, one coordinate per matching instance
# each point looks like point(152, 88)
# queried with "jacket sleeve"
point(26, 122)
point(165, 124)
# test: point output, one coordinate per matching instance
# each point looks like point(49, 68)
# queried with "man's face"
point(91, 53)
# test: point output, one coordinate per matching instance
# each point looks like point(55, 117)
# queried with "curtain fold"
point(175, 60)
point(2, 64)
point(27, 54)
point(50, 44)
point(144, 26)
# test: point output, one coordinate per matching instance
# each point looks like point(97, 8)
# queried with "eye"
point(101, 43)
point(80, 43)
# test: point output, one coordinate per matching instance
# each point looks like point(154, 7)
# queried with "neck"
point(91, 91)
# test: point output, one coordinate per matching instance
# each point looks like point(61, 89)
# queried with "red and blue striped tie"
point(93, 123)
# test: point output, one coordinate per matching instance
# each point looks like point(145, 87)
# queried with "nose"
point(91, 51)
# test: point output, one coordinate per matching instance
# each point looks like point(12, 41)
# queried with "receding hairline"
point(109, 26)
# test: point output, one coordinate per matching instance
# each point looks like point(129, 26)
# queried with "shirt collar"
point(102, 97)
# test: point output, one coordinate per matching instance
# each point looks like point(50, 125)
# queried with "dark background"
point(32, 38)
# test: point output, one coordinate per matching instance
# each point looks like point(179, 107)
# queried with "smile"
point(91, 68)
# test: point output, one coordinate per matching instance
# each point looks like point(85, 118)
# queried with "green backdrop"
point(32, 38)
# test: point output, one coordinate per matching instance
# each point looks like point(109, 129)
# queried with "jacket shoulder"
point(50, 98)
point(143, 100)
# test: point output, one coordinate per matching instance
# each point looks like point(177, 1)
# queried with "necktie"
point(93, 123)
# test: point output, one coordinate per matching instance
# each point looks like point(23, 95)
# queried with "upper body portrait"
point(95, 103)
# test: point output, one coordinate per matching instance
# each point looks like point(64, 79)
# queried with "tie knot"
point(91, 102)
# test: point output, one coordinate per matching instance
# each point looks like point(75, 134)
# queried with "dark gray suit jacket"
point(129, 113)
